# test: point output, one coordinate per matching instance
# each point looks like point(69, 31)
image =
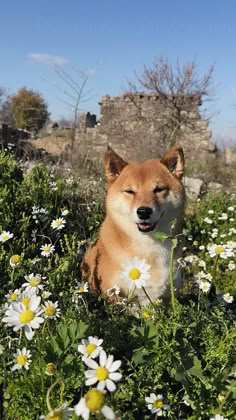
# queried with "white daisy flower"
point(64, 212)
point(12, 296)
point(51, 310)
point(218, 417)
point(113, 291)
point(22, 359)
point(204, 286)
point(221, 251)
point(15, 260)
point(24, 298)
point(191, 259)
point(5, 236)
point(208, 220)
point(228, 298)
point(136, 273)
point(104, 373)
point(202, 264)
point(210, 211)
point(61, 413)
point(223, 216)
point(90, 347)
point(47, 250)
point(231, 244)
point(83, 287)
point(18, 316)
point(46, 294)
point(200, 275)
point(231, 208)
point(33, 283)
point(231, 266)
point(156, 404)
point(58, 224)
point(93, 402)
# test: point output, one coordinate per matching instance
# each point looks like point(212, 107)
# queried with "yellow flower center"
point(94, 400)
point(158, 404)
point(58, 222)
point(15, 259)
point(13, 296)
point(81, 289)
point(21, 360)
point(50, 368)
point(34, 282)
point(102, 373)
point(146, 314)
point(26, 301)
point(219, 249)
point(46, 248)
point(134, 274)
point(5, 237)
point(50, 310)
point(90, 348)
point(27, 316)
point(55, 415)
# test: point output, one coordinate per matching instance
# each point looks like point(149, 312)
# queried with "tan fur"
point(120, 239)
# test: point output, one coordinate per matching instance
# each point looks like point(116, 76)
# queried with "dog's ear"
point(174, 161)
point(113, 164)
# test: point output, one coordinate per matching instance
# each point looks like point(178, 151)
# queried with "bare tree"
point(176, 85)
point(6, 116)
point(75, 95)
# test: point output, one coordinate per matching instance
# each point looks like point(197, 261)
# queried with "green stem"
point(48, 395)
point(172, 294)
point(148, 297)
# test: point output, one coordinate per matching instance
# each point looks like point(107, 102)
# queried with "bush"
point(187, 356)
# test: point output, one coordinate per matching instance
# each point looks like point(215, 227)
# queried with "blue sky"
point(112, 39)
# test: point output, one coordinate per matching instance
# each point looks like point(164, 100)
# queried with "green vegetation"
point(188, 357)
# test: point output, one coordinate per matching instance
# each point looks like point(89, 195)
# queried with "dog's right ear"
point(113, 164)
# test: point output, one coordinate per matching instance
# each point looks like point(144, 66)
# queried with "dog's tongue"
point(145, 226)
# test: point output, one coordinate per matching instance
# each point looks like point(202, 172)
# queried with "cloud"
point(52, 60)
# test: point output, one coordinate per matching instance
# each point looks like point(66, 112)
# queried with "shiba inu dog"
point(143, 197)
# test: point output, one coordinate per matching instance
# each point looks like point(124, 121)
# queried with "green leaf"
point(160, 236)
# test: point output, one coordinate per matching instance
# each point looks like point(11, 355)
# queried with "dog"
point(143, 198)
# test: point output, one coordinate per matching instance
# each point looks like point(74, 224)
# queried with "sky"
point(111, 40)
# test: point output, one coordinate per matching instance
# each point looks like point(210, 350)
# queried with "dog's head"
point(146, 194)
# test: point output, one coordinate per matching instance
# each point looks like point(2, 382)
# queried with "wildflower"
point(5, 236)
point(18, 316)
point(156, 404)
point(53, 186)
point(15, 260)
point(90, 347)
point(220, 250)
point(208, 220)
point(83, 287)
point(232, 231)
point(58, 224)
point(200, 275)
point(191, 259)
point(135, 272)
point(210, 211)
point(22, 359)
point(51, 310)
point(93, 402)
point(201, 247)
point(230, 208)
point(64, 212)
point(202, 264)
point(47, 250)
point(204, 286)
point(223, 216)
point(24, 298)
point(231, 244)
point(46, 294)
point(228, 298)
point(33, 283)
point(231, 266)
point(113, 291)
point(12, 296)
point(61, 413)
point(218, 417)
point(104, 373)
point(50, 369)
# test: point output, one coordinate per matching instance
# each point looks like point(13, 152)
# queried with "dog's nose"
point(144, 212)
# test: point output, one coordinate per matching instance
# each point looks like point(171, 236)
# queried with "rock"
point(215, 187)
point(194, 187)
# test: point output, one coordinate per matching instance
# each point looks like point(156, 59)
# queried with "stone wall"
point(141, 126)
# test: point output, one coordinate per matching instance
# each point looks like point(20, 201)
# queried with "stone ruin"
point(141, 126)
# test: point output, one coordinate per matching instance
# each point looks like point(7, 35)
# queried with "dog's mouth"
point(146, 227)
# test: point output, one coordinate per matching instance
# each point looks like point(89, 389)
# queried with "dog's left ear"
point(114, 164)
point(174, 161)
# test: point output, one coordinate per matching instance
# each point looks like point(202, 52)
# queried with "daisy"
point(51, 310)
point(218, 417)
point(204, 286)
point(83, 287)
point(208, 220)
point(91, 347)
point(61, 413)
point(5, 236)
point(222, 251)
point(33, 283)
point(228, 298)
point(156, 404)
point(136, 273)
point(93, 402)
point(58, 224)
point(12, 296)
point(22, 359)
point(46, 294)
point(231, 266)
point(47, 250)
point(104, 373)
point(223, 216)
point(64, 212)
point(113, 291)
point(18, 316)
point(15, 260)
point(24, 298)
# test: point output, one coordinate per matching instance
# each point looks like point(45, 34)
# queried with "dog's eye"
point(160, 189)
point(129, 191)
